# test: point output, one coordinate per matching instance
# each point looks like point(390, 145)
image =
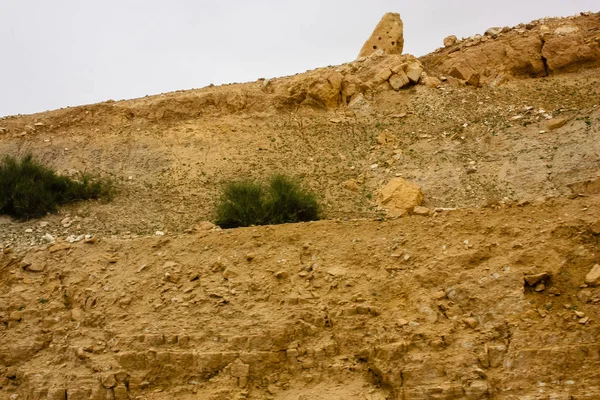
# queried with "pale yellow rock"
point(400, 196)
point(326, 91)
point(387, 36)
point(432, 82)
point(414, 71)
point(556, 123)
point(351, 185)
point(593, 277)
point(383, 75)
point(399, 80)
point(450, 41)
point(422, 211)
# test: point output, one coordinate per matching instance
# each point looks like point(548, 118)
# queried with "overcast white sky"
point(62, 53)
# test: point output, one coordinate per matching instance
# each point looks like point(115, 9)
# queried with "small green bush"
point(241, 205)
point(246, 203)
point(288, 202)
point(29, 189)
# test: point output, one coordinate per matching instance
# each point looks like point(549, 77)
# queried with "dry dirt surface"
point(490, 293)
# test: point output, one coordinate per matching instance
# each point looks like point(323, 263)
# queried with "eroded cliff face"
point(480, 282)
point(540, 48)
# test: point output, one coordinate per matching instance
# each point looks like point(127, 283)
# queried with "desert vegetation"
point(29, 189)
point(284, 200)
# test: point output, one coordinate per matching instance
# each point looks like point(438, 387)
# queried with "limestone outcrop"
point(387, 36)
point(536, 49)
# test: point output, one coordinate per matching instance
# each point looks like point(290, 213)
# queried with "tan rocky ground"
point(484, 298)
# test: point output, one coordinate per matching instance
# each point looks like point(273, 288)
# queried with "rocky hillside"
point(457, 259)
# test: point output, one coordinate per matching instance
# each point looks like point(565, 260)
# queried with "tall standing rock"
point(388, 35)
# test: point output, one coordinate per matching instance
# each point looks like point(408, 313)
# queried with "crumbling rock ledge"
point(542, 47)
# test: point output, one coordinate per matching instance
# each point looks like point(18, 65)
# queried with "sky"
point(61, 53)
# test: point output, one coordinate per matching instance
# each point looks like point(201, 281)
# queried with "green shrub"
point(242, 204)
point(246, 203)
point(29, 189)
point(288, 202)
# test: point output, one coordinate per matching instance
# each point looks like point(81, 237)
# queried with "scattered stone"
point(432, 82)
point(554, 291)
point(48, 238)
point(352, 185)
point(584, 321)
point(59, 246)
point(543, 313)
point(422, 211)
point(540, 287)
point(534, 279)
point(229, 273)
point(593, 277)
point(374, 311)
point(362, 309)
point(493, 32)
point(387, 36)
point(556, 123)
point(74, 239)
point(358, 102)
point(584, 295)
point(440, 295)
point(109, 381)
point(470, 322)
point(205, 226)
point(89, 239)
point(15, 316)
point(36, 267)
point(282, 275)
point(401, 322)
point(450, 41)
point(595, 228)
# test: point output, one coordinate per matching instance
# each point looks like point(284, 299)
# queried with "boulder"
point(414, 71)
point(387, 36)
point(466, 73)
point(450, 41)
point(399, 80)
point(593, 277)
point(432, 82)
point(400, 196)
point(493, 32)
point(568, 52)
